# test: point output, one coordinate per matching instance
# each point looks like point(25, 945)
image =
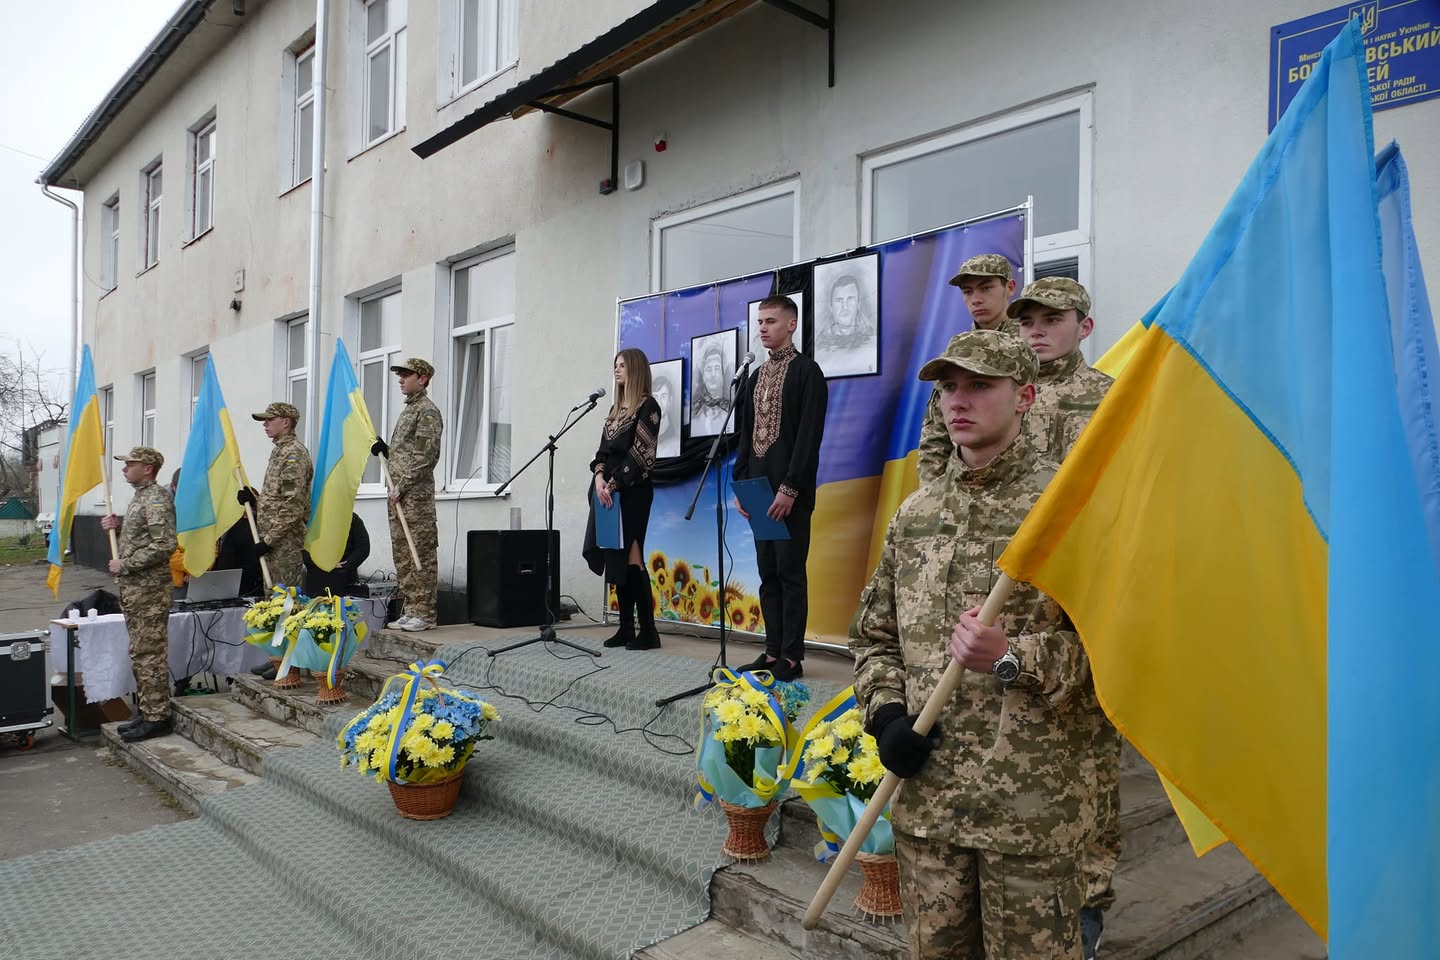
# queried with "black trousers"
point(784, 586)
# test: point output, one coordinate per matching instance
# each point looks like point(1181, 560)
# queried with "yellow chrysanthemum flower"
point(754, 698)
point(840, 756)
point(488, 712)
point(442, 730)
point(821, 729)
point(866, 768)
point(821, 747)
point(729, 711)
point(847, 729)
point(422, 722)
point(753, 727)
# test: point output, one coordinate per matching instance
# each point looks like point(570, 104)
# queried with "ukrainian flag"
point(82, 469)
point(205, 504)
point(346, 436)
point(1247, 535)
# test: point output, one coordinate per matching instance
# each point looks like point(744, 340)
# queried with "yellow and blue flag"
point(1247, 535)
point(83, 467)
point(205, 504)
point(346, 436)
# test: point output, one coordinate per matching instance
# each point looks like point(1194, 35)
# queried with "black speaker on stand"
point(505, 577)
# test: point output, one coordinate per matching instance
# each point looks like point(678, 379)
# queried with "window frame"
point(296, 373)
point(479, 334)
point(389, 40)
point(734, 201)
point(106, 397)
point(110, 238)
point(150, 222)
point(301, 167)
point(506, 16)
point(147, 414)
point(208, 127)
point(1076, 243)
point(195, 379)
point(386, 354)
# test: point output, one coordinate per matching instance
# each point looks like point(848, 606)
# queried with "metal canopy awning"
point(600, 62)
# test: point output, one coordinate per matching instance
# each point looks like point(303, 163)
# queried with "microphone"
point(594, 395)
point(744, 369)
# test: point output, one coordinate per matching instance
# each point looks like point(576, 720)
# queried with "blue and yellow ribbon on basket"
point(713, 772)
point(410, 682)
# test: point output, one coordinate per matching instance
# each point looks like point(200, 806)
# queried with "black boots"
point(626, 634)
point(639, 582)
point(146, 729)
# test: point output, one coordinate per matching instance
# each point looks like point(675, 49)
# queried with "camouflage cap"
point(415, 365)
point(148, 455)
point(1060, 293)
point(278, 409)
point(990, 353)
point(984, 265)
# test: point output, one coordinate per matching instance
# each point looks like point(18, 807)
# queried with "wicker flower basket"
point(292, 679)
point(324, 693)
point(879, 897)
point(426, 801)
point(747, 831)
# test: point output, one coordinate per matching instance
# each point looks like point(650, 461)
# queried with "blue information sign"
point(1402, 51)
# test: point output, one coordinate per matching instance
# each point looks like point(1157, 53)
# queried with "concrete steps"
point(714, 940)
point(186, 771)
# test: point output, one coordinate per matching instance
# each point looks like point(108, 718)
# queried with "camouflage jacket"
point(1066, 395)
point(147, 537)
point(936, 448)
point(284, 507)
point(415, 447)
point(1014, 771)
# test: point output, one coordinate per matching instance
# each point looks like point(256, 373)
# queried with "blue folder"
point(608, 535)
point(756, 495)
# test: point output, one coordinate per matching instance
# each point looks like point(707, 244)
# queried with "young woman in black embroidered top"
point(623, 463)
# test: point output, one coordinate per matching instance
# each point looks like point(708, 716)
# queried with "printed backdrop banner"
point(872, 426)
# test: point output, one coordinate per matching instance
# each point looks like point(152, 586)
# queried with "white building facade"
point(500, 260)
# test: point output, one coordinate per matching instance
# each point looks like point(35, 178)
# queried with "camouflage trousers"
point(417, 585)
point(286, 564)
point(961, 903)
point(1102, 847)
point(146, 605)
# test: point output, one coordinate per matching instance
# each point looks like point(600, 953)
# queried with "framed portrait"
point(712, 363)
point(846, 338)
point(752, 340)
point(667, 386)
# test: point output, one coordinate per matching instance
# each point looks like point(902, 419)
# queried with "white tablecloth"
point(205, 641)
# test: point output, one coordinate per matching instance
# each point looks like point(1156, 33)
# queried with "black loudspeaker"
point(505, 577)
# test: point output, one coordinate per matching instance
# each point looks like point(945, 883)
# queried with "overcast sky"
point(57, 59)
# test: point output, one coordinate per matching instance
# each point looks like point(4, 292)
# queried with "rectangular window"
point(202, 166)
point(304, 120)
point(383, 20)
point(147, 409)
point(197, 380)
point(482, 324)
point(107, 425)
point(296, 372)
point(485, 41)
point(150, 242)
point(744, 234)
point(110, 240)
point(379, 348)
point(1043, 151)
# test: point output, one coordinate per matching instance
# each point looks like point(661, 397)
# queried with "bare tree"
point(29, 399)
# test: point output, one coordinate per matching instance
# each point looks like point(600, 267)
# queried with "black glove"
point(261, 548)
point(244, 496)
point(902, 750)
point(380, 449)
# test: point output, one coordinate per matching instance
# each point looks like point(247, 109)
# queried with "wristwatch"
point(1007, 668)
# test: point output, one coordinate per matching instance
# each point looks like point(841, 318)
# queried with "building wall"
point(1179, 94)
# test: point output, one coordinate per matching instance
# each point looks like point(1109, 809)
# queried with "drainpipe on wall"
point(317, 227)
point(74, 282)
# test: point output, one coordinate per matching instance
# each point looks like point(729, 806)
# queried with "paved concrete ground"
point(61, 793)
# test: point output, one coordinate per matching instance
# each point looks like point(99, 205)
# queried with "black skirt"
point(635, 504)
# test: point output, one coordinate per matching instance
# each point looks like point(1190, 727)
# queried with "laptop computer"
point(213, 585)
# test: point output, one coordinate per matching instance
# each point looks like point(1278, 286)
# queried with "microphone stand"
point(547, 630)
point(719, 534)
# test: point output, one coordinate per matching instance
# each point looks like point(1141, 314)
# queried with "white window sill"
point(147, 269)
point(293, 187)
point(492, 80)
point(112, 289)
point(375, 143)
point(198, 237)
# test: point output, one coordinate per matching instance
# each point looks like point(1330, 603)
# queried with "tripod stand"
point(547, 630)
point(719, 532)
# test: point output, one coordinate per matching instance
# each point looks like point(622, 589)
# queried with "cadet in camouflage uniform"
point(1054, 317)
point(142, 571)
point(413, 451)
point(284, 507)
point(987, 284)
point(990, 821)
